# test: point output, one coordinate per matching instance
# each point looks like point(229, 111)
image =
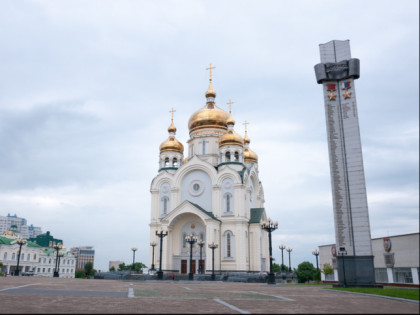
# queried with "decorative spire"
point(172, 128)
point(246, 138)
point(230, 121)
point(210, 93)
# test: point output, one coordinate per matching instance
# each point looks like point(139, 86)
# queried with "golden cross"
point(230, 104)
point(172, 111)
point(210, 70)
point(245, 123)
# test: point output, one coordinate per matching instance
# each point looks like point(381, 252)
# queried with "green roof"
point(8, 241)
point(210, 214)
point(256, 215)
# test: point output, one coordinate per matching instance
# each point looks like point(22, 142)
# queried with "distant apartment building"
point(83, 255)
point(19, 226)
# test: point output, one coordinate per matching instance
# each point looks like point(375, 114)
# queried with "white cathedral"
point(214, 194)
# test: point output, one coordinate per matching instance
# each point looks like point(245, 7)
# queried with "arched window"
point(236, 156)
point(22, 257)
point(28, 257)
point(175, 162)
point(165, 205)
point(13, 256)
point(166, 162)
point(228, 245)
point(5, 256)
point(228, 196)
point(34, 256)
point(184, 242)
point(227, 155)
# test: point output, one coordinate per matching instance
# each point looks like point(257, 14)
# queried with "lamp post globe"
point(20, 242)
point(212, 246)
point(270, 226)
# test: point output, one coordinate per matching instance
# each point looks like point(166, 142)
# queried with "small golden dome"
point(171, 145)
point(210, 116)
point(231, 138)
point(172, 128)
point(250, 156)
point(210, 92)
point(246, 138)
point(230, 120)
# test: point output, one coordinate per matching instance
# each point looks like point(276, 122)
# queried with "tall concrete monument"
point(337, 72)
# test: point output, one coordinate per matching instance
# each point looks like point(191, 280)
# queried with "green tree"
point(122, 267)
point(112, 268)
point(79, 273)
point(1, 267)
point(327, 270)
point(89, 269)
point(276, 267)
point(305, 272)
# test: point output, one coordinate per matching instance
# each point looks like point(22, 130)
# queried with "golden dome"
point(210, 116)
point(250, 156)
point(246, 138)
point(172, 128)
point(210, 92)
point(230, 138)
point(171, 145)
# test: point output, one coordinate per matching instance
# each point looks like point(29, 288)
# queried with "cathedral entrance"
point(184, 266)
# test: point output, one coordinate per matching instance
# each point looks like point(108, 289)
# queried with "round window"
point(196, 187)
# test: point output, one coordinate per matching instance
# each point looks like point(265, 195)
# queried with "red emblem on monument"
point(334, 250)
point(330, 87)
point(387, 244)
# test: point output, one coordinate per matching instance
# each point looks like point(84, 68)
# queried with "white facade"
point(40, 260)
point(215, 194)
point(396, 259)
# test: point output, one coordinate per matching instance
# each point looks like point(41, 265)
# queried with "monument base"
point(356, 271)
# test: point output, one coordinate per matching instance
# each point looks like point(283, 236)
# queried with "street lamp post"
point(213, 246)
point(161, 235)
point(289, 250)
point(270, 226)
point(153, 244)
point(343, 253)
point(134, 255)
point(20, 242)
point(282, 247)
point(57, 247)
point(191, 239)
point(200, 267)
point(59, 258)
point(316, 253)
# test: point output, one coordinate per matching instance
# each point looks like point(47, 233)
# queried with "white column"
point(390, 275)
point(415, 275)
point(335, 275)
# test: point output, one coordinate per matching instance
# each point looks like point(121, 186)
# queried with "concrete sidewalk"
point(52, 295)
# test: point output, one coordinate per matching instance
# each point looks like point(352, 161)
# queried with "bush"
point(305, 272)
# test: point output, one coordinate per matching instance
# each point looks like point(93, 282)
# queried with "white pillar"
point(415, 275)
point(390, 275)
point(335, 275)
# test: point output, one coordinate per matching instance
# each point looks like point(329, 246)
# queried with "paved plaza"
point(51, 295)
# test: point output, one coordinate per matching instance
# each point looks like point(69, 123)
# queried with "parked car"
point(28, 273)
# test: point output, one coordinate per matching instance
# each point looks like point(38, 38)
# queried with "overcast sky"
point(86, 88)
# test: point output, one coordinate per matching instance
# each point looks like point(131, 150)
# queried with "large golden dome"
point(171, 145)
point(210, 116)
point(250, 156)
point(231, 138)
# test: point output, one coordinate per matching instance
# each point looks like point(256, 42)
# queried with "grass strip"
point(409, 294)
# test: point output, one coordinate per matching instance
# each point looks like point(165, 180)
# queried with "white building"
point(396, 259)
point(215, 194)
point(40, 260)
point(19, 225)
